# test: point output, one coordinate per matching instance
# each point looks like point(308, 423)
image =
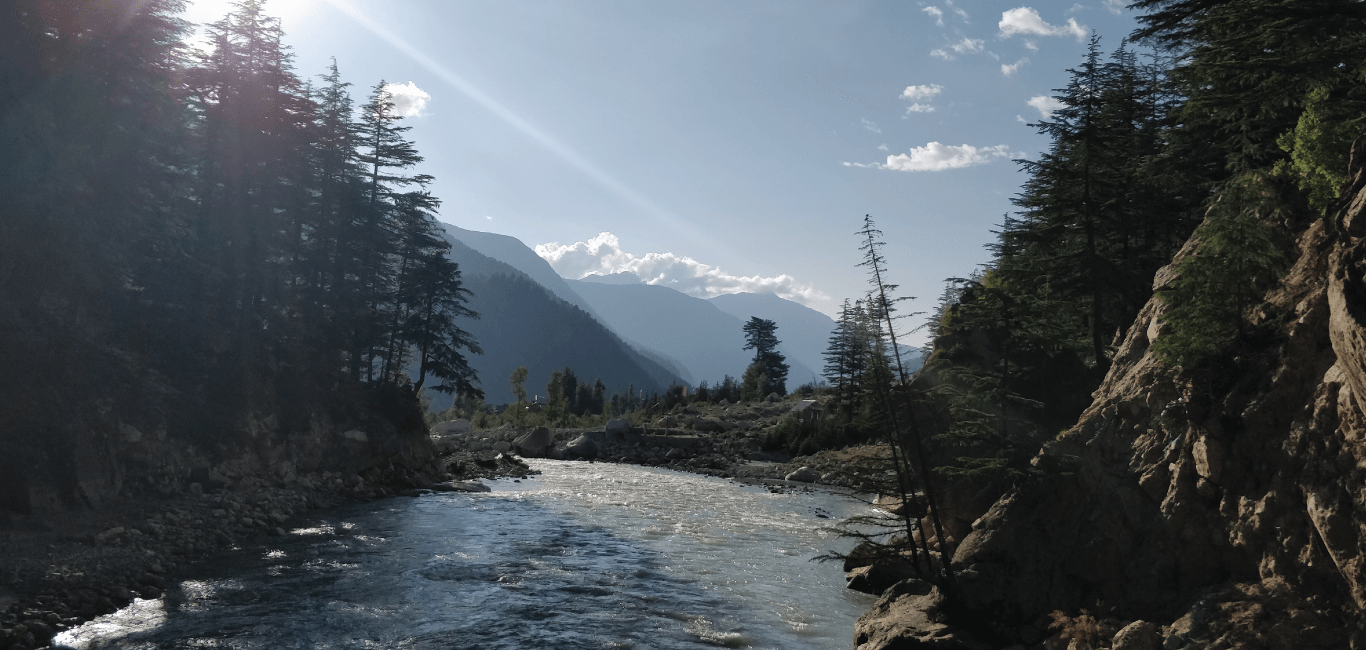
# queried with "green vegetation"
point(212, 237)
point(1235, 262)
point(767, 373)
point(1227, 123)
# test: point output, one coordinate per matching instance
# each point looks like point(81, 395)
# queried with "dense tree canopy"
point(211, 217)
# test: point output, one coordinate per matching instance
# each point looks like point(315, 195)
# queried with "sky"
point(717, 146)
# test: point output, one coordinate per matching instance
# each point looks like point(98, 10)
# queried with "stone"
point(446, 446)
point(502, 446)
point(42, 632)
point(534, 443)
point(910, 615)
point(863, 555)
point(804, 474)
point(676, 454)
point(583, 447)
point(875, 578)
point(1138, 635)
point(452, 426)
point(619, 426)
point(460, 486)
point(356, 435)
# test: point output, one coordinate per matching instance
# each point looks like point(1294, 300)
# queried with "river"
point(584, 555)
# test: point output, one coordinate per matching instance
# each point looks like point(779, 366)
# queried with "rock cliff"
point(1226, 504)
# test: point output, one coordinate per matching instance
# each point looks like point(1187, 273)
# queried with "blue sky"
point(724, 146)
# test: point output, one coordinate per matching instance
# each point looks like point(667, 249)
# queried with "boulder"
point(773, 397)
point(804, 474)
point(676, 454)
point(910, 615)
point(446, 446)
point(583, 447)
point(863, 555)
point(533, 444)
point(452, 426)
point(1138, 635)
point(619, 426)
point(502, 446)
point(878, 576)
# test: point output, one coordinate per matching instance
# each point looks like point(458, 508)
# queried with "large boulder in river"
point(583, 447)
point(910, 614)
point(452, 426)
point(533, 444)
point(805, 475)
point(619, 427)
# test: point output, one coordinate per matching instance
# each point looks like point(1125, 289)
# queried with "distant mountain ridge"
point(709, 341)
point(673, 337)
point(524, 323)
point(805, 332)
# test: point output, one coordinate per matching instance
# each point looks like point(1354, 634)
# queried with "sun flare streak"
point(566, 154)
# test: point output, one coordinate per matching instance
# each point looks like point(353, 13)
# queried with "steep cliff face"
point(1227, 504)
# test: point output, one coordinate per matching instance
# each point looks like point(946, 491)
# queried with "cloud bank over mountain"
point(602, 255)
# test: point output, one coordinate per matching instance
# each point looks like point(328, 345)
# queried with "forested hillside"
point(1142, 418)
point(1190, 121)
point(205, 246)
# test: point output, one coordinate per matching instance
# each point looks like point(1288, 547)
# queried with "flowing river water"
point(584, 555)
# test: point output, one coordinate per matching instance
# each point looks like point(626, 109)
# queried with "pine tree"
point(770, 364)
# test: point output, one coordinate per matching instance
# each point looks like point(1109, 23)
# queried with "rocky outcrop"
point(534, 443)
point(1225, 502)
point(910, 614)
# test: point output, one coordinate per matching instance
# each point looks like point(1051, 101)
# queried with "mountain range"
point(614, 327)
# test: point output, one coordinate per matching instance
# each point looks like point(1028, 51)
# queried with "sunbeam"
point(566, 154)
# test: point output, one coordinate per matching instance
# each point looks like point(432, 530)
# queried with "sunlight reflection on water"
point(582, 556)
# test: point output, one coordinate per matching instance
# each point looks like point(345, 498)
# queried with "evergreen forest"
point(1202, 141)
point(193, 240)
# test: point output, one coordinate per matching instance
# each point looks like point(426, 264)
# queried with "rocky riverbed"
point(62, 569)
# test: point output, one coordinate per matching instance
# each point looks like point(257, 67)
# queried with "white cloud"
point(1045, 105)
point(1031, 45)
point(961, 14)
point(882, 147)
point(935, 157)
point(602, 255)
point(965, 46)
point(1024, 20)
point(1020, 118)
point(918, 94)
point(1115, 7)
point(1010, 69)
point(871, 126)
point(408, 99)
point(938, 15)
point(968, 45)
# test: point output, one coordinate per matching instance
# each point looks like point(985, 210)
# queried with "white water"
point(581, 556)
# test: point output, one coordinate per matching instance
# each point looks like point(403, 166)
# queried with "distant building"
point(809, 410)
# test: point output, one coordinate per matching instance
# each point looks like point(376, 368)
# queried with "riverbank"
point(68, 567)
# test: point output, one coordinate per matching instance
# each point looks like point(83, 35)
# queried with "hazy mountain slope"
point(707, 340)
point(804, 332)
point(512, 252)
point(523, 324)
